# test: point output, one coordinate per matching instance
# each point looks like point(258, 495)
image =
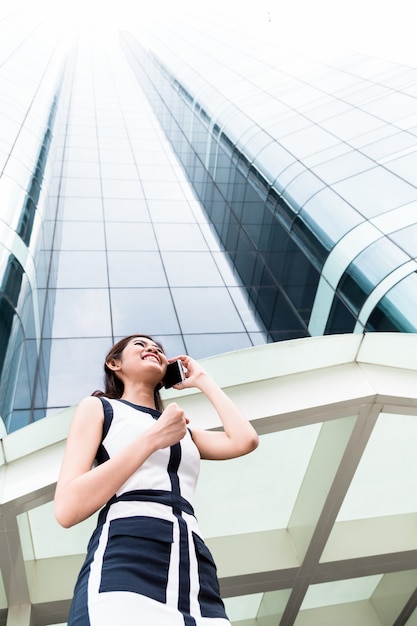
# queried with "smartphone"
point(175, 374)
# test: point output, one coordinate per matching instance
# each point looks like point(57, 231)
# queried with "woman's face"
point(142, 357)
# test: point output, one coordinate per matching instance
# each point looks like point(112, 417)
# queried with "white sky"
point(378, 27)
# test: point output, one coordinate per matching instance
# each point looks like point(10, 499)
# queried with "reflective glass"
point(375, 191)
point(188, 269)
point(200, 346)
point(288, 175)
point(364, 93)
point(274, 159)
point(287, 126)
point(406, 239)
point(405, 167)
point(246, 309)
point(343, 167)
point(308, 140)
point(389, 145)
point(302, 188)
point(113, 156)
point(118, 171)
point(122, 189)
point(370, 267)
point(80, 208)
point(373, 136)
point(211, 311)
point(125, 210)
point(82, 236)
point(329, 216)
point(255, 141)
point(324, 156)
point(180, 237)
point(76, 370)
point(136, 269)
point(397, 310)
point(302, 96)
point(392, 106)
point(264, 109)
point(329, 109)
point(130, 236)
point(81, 187)
point(75, 313)
point(170, 210)
point(164, 191)
point(81, 154)
point(148, 311)
point(351, 124)
point(82, 269)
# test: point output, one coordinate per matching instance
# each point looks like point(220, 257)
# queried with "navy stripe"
point(78, 615)
point(173, 465)
point(177, 502)
point(184, 573)
point(184, 583)
point(144, 409)
point(102, 454)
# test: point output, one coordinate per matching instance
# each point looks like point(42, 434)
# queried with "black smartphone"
point(175, 374)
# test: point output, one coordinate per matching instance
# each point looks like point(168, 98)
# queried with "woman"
point(146, 562)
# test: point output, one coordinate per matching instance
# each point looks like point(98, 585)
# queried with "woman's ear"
point(113, 364)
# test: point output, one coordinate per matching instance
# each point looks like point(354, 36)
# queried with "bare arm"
point(238, 436)
point(81, 490)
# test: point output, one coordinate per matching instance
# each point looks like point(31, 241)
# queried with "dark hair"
point(113, 386)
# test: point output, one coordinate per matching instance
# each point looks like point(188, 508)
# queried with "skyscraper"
point(275, 195)
point(220, 193)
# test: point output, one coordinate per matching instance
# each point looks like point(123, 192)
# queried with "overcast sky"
point(378, 27)
point(381, 27)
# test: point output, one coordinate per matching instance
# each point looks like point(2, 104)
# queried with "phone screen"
point(174, 374)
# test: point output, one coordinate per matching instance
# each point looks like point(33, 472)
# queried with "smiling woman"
point(113, 382)
point(138, 462)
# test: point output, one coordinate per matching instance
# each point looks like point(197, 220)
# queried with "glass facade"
point(289, 159)
point(124, 243)
point(199, 186)
point(32, 66)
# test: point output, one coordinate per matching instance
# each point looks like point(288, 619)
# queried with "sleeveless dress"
point(146, 562)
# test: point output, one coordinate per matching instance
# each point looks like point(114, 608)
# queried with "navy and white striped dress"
point(146, 563)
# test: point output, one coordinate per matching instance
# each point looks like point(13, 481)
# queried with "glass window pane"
point(130, 236)
point(76, 369)
point(82, 236)
point(375, 191)
point(343, 167)
point(136, 269)
point(188, 269)
point(212, 310)
point(125, 210)
point(148, 311)
point(308, 141)
point(75, 313)
point(82, 269)
point(329, 216)
point(405, 167)
point(180, 237)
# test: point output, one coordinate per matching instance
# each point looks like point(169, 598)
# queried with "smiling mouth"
point(151, 357)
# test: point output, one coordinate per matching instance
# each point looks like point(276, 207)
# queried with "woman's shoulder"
point(89, 407)
point(91, 402)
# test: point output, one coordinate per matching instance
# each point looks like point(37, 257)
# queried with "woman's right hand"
point(171, 426)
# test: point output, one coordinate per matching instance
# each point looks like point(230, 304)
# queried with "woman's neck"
point(140, 394)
